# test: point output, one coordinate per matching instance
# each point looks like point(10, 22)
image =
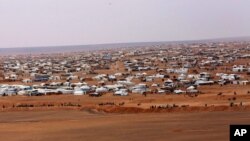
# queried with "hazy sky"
point(64, 22)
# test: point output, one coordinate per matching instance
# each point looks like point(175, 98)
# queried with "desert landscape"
point(126, 94)
point(84, 125)
point(124, 70)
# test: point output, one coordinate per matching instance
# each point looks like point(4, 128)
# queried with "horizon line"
point(137, 42)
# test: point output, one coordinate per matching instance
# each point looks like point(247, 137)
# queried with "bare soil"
point(85, 125)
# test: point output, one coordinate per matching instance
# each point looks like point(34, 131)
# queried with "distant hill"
point(77, 48)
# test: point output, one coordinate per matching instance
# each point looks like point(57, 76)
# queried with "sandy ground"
point(82, 125)
point(72, 123)
point(62, 123)
point(136, 123)
point(209, 96)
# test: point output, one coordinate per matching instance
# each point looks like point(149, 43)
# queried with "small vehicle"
point(95, 94)
point(8, 91)
point(35, 93)
point(65, 90)
point(121, 92)
point(179, 91)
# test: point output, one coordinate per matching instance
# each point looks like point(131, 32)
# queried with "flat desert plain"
point(96, 118)
point(83, 125)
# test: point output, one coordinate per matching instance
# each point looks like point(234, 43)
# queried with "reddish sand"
point(208, 97)
point(82, 125)
point(131, 121)
point(73, 118)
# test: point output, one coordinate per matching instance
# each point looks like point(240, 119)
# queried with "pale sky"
point(25, 23)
